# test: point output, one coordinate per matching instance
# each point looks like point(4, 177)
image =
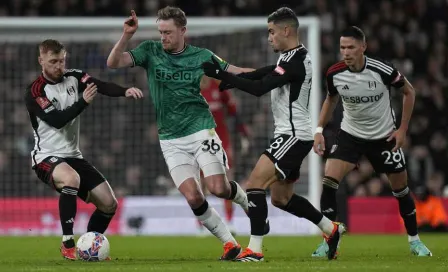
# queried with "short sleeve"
point(332, 91)
point(389, 74)
point(224, 65)
point(141, 53)
point(396, 79)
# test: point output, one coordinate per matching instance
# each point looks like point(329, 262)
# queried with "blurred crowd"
point(120, 136)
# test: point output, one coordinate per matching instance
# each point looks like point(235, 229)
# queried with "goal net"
point(119, 136)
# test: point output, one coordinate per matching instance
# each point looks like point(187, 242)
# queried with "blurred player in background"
point(54, 102)
point(368, 128)
point(186, 127)
point(223, 105)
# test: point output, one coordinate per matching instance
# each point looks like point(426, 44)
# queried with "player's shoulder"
point(36, 88)
point(73, 72)
point(196, 50)
point(149, 46)
point(80, 75)
point(379, 65)
point(150, 43)
point(294, 56)
point(337, 68)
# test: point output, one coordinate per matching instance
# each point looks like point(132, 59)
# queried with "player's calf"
point(406, 204)
point(104, 199)
point(219, 186)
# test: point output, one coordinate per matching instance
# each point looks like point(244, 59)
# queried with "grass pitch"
point(358, 253)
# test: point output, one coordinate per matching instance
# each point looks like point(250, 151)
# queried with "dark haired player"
point(368, 128)
point(289, 82)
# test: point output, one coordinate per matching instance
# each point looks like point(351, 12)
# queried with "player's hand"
point(90, 92)
point(136, 93)
point(399, 136)
point(223, 86)
point(131, 24)
point(212, 69)
point(319, 144)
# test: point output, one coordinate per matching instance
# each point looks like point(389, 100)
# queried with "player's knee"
point(219, 187)
point(398, 180)
point(194, 198)
point(110, 206)
point(71, 179)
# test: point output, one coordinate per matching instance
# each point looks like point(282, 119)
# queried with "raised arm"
point(118, 58)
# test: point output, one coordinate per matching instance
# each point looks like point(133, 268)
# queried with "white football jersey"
point(290, 102)
point(45, 100)
point(365, 95)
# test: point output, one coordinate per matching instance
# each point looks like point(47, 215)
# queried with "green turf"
point(358, 253)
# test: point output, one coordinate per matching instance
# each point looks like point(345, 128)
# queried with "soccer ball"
point(92, 247)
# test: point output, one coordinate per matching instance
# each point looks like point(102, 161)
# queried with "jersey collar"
point(49, 81)
point(300, 47)
point(363, 68)
point(178, 52)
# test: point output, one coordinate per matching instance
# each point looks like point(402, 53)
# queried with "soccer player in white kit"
point(54, 102)
point(368, 128)
point(289, 84)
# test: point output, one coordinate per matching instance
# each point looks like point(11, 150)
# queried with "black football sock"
point(67, 212)
point(407, 210)
point(99, 221)
point(328, 204)
point(258, 211)
point(301, 207)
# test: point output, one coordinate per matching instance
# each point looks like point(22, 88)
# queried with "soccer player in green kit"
point(185, 124)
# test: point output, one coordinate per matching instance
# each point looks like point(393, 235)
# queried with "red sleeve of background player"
point(230, 104)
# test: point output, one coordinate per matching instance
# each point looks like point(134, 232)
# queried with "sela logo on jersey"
point(179, 76)
point(361, 99)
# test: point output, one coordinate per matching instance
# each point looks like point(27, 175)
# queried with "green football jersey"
point(174, 85)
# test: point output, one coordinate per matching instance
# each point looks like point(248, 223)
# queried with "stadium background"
point(120, 136)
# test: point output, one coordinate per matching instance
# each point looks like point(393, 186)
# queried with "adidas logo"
point(251, 204)
point(399, 165)
point(71, 220)
point(329, 210)
point(345, 87)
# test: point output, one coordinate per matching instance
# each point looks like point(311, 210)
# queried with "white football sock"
point(241, 197)
point(214, 223)
point(326, 225)
point(413, 238)
point(256, 243)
